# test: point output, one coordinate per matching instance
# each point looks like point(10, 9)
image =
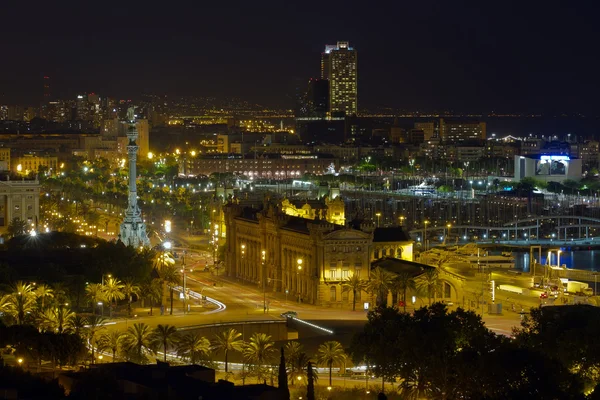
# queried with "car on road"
point(290, 314)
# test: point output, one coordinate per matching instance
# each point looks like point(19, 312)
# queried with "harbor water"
point(583, 259)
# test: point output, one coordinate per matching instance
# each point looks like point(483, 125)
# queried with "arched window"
point(447, 290)
point(332, 293)
point(399, 252)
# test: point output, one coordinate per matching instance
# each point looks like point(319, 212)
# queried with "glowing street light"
point(299, 262)
point(378, 215)
point(425, 235)
point(150, 155)
point(168, 226)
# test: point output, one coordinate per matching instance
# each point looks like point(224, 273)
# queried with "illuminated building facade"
point(548, 167)
point(19, 199)
point(273, 166)
point(32, 162)
point(308, 260)
point(462, 131)
point(339, 66)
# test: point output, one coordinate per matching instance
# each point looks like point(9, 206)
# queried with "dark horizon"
point(526, 58)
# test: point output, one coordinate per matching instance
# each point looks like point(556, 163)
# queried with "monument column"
point(133, 229)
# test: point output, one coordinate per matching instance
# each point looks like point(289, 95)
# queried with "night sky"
point(453, 55)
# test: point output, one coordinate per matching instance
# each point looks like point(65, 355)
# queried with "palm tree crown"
point(165, 336)
point(95, 294)
point(111, 341)
point(429, 282)
point(402, 283)
point(113, 290)
point(259, 350)
point(192, 347)
point(20, 302)
point(137, 342)
point(380, 282)
point(42, 291)
point(330, 353)
point(227, 341)
point(130, 289)
point(355, 285)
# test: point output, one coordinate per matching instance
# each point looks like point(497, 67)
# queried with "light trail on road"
point(197, 296)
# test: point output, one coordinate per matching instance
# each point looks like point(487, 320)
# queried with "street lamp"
point(299, 262)
point(101, 304)
point(215, 243)
point(109, 275)
point(264, 280)
point(425, 235)
point(448, 232)
point(401, 218)
point(20, 361)
point(243, 268)
point(378, 215)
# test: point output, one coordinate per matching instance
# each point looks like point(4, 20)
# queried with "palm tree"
point(227, 341)
point(330, 353)
point(95, 293)
point(20, 302)
point(111, 341)
point(296, 360)
point(429, 282)
point(113, 291)
point(94, 325)
point(42, 291)
point(192, 347)
point(402, 283)
point(77, 324)
point(137, 342)
point(56, 319)
point(379, 284)
point(171, 277)
point(259, 350)
point(152, 292)
point(16, 227)
point(165, 336)
point(129, 290)
point(355, 285)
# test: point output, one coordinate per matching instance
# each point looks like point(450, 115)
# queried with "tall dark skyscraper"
point(46, 89)
point(339, 66)
point(318, 98)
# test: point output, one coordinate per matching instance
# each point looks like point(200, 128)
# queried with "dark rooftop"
point(392, 234)
point(399, 266)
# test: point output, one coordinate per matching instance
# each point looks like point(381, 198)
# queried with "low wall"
point(276, 329)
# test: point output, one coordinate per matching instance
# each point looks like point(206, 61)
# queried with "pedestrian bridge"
point(561, 230)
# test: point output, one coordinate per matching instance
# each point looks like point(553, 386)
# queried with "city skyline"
point(429, 57)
